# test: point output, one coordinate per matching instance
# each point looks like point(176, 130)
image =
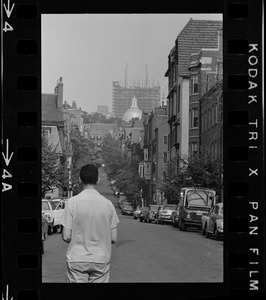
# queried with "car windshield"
point(128, 207)
point(200, 198)
point(173, 207)
point(45, 205)
point(154, 207)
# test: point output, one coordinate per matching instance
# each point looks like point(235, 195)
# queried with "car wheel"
point(140, 219)
point(50, 230)
point(183, 226)
point(61, 229)
point(216, 234)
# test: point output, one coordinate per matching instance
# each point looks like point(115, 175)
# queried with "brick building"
point(96, 132)
point(211, 122)
point(205, 69)
point(155, 147)
point(197, 34)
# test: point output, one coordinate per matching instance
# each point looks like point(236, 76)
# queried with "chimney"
point(59, 92)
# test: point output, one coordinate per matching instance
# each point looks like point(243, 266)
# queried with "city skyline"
point(92, 51)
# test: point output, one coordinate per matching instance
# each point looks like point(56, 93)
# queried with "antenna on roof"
point(146, 75)
point(126, 76)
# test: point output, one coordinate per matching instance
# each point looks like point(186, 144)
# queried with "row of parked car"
point(51, 217)
point(211, 222)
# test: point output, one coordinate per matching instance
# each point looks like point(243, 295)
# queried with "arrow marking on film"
point(7, 9)
point(7, 158)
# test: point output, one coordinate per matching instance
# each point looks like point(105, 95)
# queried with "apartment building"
point(196, 35)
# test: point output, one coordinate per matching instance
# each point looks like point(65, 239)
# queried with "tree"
point(51, 175)
point(123, 171)
point(83, 153)
point(193, 171)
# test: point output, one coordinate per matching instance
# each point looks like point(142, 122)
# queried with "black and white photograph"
point(132, 148)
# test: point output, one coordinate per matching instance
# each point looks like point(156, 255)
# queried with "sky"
point(90, 51)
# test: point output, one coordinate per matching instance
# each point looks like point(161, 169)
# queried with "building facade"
point(205, 70)
point(96, 132)
point(148, 98)
point(155, 148)
point(197, 34)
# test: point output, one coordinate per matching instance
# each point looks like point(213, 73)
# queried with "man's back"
point(91, 217)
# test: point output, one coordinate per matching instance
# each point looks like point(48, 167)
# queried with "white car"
point(165, 213)
point(53, 214)
point(136, 213)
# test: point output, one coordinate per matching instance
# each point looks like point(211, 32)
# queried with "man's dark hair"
point(89, 174)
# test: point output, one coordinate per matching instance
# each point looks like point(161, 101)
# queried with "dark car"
point(215, 222)
point(142, 214)
point(127, 210)
point(152, 212)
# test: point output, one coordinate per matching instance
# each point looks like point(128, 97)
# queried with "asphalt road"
point(146, 252)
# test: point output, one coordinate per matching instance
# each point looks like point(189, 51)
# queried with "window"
point(178, 99)
point(147, 167)
point(165, 140)
point(194, 84)
point(141, 171)
point(92, 137)
point(194, 118)
point(99, 137)
point(194, 148)
point(146, 154)
point(164, 157)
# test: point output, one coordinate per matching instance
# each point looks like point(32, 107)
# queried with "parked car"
point(165, 212)
point(44, 231)
point(142, 214)
point(175, 216)
point(59, 203)
point(53, 215)
point(194, 203)
point(127, 210)
point(136, 213)
point(215, 223)
point(152, 212)
point(123, 203)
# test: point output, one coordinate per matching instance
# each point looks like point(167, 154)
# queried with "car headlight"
point(188, 215)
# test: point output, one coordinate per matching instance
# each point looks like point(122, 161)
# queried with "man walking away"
point(90, 227)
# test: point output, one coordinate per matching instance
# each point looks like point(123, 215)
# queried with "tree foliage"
point(123, 171)
point(193, 171)
point(51, 175)
point(83, 152)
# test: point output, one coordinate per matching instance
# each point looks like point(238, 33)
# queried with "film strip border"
point(243, 149)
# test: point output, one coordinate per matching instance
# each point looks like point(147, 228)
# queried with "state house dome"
point(132, 112)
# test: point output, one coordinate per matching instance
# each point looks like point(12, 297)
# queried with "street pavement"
point(146, 252)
